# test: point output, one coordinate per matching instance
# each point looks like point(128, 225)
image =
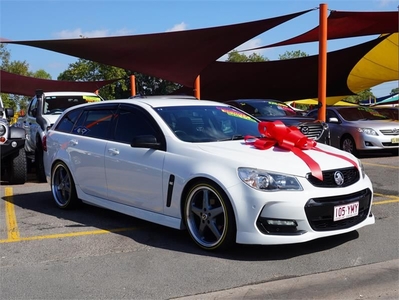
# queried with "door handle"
point(73, 142)
point(113, 151)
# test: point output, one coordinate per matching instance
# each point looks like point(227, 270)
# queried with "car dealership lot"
point(93, 253)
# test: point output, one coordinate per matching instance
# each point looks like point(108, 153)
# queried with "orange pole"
point(322, 62)
point(133, 85)
point(197, 88)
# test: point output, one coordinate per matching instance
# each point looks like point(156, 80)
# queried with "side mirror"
point(145, 141)
point(9, 113)
point(333, 120)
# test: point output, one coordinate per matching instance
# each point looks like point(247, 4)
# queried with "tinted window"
point(361, 113)
point(94, 123)
point(67, 122)
point(57, 104)
point(131, 123)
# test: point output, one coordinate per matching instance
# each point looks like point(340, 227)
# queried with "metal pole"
point(322, 62)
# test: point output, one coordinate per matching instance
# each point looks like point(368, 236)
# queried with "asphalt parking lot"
point(91, 253)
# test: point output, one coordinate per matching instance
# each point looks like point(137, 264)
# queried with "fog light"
point(14, 144)
point(281, 222)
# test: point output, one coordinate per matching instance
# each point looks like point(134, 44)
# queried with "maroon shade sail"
point(174, 56)
point(289, 79)
point(346, 24)
point(24, 85)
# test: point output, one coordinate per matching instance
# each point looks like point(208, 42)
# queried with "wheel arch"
point(199, 179)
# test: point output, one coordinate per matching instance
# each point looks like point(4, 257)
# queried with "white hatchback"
point(206, 167)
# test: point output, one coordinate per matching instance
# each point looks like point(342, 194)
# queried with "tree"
point(235, 56)
point(395, 90)
point(292, 54)
point(363, 95)
point(85, 70)
point(20, 68)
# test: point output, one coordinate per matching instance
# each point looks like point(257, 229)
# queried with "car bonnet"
point(278, 159)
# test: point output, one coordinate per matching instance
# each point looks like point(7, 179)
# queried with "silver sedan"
point(359, 128)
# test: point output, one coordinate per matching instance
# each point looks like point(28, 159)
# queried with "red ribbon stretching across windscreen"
point(290, 138)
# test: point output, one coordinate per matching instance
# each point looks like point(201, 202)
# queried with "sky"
point(54, 19)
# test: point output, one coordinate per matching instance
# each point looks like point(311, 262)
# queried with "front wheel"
point(17, 170)
point(209, 217)
point(39, 165)
point(63, 187)
point(348, 145)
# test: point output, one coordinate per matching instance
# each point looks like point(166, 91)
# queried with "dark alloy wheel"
point(209, 217)
point(63, 187)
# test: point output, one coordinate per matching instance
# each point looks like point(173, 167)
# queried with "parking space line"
point(71, 234)
point(379, 165)
point(11, 219)
point(392, 199)
point(14, 236)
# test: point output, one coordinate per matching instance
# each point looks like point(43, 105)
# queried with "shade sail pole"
point(197, 93)
point(133, 85)
point(322, 84)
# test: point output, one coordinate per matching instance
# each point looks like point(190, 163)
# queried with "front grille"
point(390, 131)
point(313, 131)
point(351, 176)
point(320, 211)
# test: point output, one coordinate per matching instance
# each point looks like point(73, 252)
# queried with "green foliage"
point(5, 56)
point(85, 70)
point(235, 56)
point(292, 54)
point(363, 95)
point(395, 90)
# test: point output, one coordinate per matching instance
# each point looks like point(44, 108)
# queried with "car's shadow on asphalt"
point(88, 218)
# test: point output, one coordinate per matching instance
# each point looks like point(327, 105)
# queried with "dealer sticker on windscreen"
point(346, 211)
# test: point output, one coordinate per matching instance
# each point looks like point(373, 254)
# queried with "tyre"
point(63, 187)
point(17, 170)
point(39, 165)
point(348, 145)
point(209, 217)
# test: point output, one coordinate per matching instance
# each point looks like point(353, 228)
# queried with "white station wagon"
point(208, 168)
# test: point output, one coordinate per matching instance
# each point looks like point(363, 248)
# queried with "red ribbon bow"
point(290, 138)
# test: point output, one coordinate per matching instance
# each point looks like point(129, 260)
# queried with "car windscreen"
point(57, 104)
point(267, 109)
point(208, 123)
point(361, 114)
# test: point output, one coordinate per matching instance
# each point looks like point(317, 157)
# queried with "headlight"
point(369, 131)
point(2, 129)
point(362, 172)
point(267, 181)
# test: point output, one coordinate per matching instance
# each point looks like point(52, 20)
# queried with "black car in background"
point(272, 110)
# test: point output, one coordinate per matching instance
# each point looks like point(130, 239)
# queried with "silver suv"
point(44, 109)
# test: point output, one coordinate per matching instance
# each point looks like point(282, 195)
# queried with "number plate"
point(346, 211)
point(395, 140)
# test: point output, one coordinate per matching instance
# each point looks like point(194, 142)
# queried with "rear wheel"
point(63, 187)
point(348, 145)
point(209, 217)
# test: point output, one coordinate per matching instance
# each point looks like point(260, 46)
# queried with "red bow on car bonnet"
point(289, 138)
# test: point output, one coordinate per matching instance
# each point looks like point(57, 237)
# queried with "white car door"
point(134, 175)
point(86, 150)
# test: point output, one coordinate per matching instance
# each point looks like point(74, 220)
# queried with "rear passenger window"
point(94, 123)
point(67, 122)
point(130, 124)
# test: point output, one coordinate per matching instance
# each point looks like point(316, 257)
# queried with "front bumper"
point(11, 147)
point(370, 142)
point(311, 210)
